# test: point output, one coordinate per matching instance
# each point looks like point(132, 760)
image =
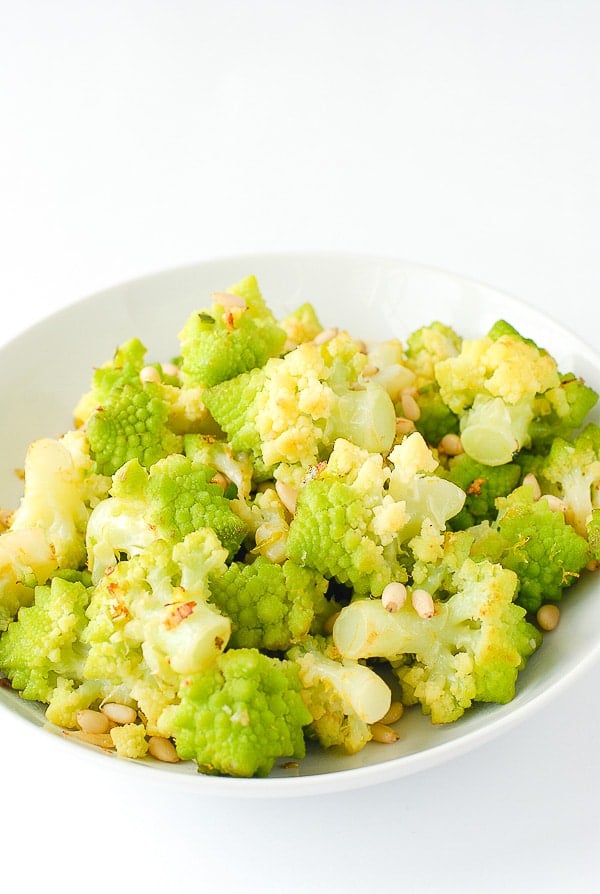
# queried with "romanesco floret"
point(42, 644)
point(26, 560)
point(150, 622)
point(427, 346)
point(126, 416)
point(346, 525)
point(471, 649)
point(301, 325)
point(344, 697)
point(235, 334)
point(173, 498)
point(593, 535)
point(268, 524)
point(270, 606)
point(426, 496)
point(493, 385)
point(239, 716)
point(293, 409)
point(482, 485)
point(62, 487)
point(546, 553)
point(216, 453)
point(571, 471)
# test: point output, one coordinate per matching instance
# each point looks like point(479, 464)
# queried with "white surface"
point(138, 136)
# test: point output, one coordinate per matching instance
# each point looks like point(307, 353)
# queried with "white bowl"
point(44, 371)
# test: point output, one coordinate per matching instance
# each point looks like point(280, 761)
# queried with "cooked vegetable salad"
point(287, 534)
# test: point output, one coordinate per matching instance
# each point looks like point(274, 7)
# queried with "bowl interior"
point(44, 371)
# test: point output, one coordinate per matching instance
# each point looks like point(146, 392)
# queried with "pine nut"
point(395, 712)
point(162, 749)
point(228, 300)
point(102, 740)
point(170, 369)
point(220, 479)
point(370, 370)
point(149, 374)
point(423, 603)
point(93, 721)
point(554, 503)
point(120, 714)
point(532, 481)
point(410, 407)
point(383, 733)
point(325, 336)
point(404, 426)
point(393, 596)
point(451, 445)
point(548, 616)
point(288, 496)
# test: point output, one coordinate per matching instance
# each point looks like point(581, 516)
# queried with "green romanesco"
point(62, 487)
point(482, 485)
point(571, 471)
point(237, 333)
point(493, 385)
point(26, 561)
point(471, 649)
point(353, 517)
point(545, 552)
point(270, 606)
point(240, 716)
point(344, 697)
point(173, 498)
point(293, 409)
point(43, 644)
point(346, 525)
point(301, 325)
point(151, 624)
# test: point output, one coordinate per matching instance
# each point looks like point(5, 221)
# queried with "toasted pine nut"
point(228, 300)
point(362, 346)
point(554, 503)
point(120, 714)
point(395, 712)
point(288, 495)
point(423, 603)
point(451, 445)
point(548, 616)
point(325, 335)
point(410, 407)
point(532, 481)
point(102, 740)
point(149, 374)
point(220, 479)
point(370, 370)
point(92, 721)
point(404, 426)
point(393, 596)
point(384, 733)
point(162, 749)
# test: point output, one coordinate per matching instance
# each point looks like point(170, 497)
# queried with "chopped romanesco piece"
point(545, 552)
point(239, 716)
point(230, 337)
point(270, 606)
point(471, 649)
point(170, 500)
point(43, 644)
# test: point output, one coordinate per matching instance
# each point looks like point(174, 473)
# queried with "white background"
point(141, 135)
